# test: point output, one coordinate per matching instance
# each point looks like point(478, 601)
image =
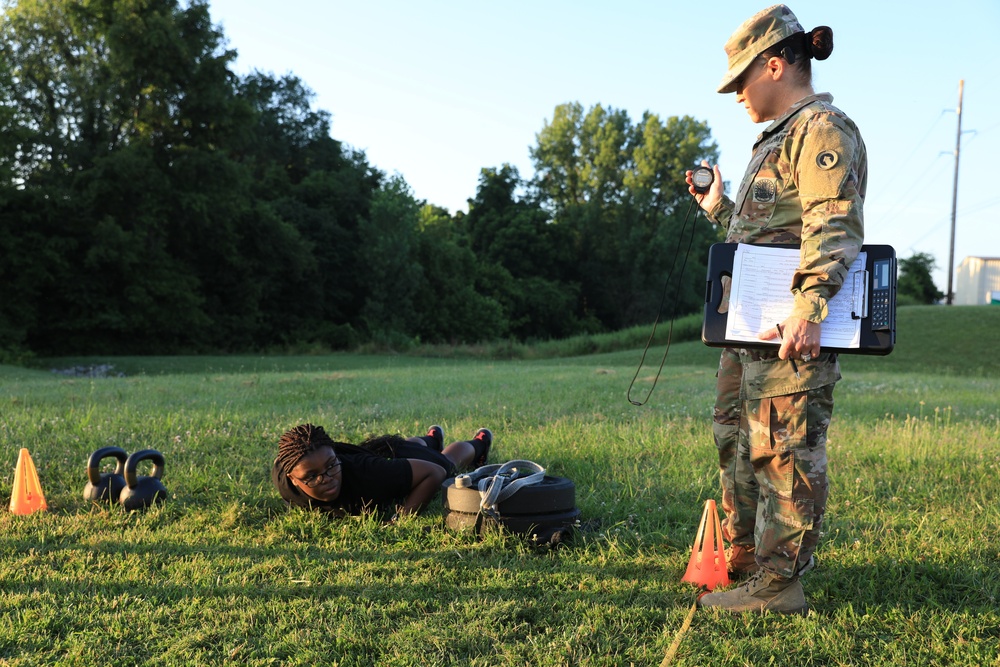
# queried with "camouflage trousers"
point(772, 465)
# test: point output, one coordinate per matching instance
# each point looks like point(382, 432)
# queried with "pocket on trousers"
point(726, 436)
point(795, 514)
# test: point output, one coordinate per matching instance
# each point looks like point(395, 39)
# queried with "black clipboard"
point(878, 317)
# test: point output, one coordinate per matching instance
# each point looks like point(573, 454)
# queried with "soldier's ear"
point(775, 67)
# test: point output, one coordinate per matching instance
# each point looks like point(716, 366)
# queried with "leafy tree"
point(288, 139)
point(124, 113)
point(321, 192)
point(90, 76)
point(618, 190)
point(182, 208)
point(151, 201)
point(451, 309)
point(915, 283)
point(129, 288)
point(527, 261)
point(33, 262)
point(387, 261)
point(558, 161)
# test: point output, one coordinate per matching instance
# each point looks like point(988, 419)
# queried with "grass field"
point(222, 573)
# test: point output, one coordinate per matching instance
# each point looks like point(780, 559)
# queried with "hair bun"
point(819, 42)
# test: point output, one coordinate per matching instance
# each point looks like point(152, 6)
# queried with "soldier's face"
point(757, 92)
point(751, 90)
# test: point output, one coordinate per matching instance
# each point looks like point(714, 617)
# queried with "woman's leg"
point(739, 487)
point(788, 454)
point(464, 454)
point(434, 438)
point(460, 453)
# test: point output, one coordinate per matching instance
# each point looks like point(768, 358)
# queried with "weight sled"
point(552, 494)
point(545, 512)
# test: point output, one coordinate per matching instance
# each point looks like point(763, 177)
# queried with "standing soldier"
point(804, 186)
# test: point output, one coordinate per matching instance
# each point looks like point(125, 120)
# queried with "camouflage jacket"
point(805, 186)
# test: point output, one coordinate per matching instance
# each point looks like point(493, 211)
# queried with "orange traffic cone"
point(707, 566)
point(27, 496)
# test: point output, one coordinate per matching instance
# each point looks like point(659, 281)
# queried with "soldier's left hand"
point(799, 339)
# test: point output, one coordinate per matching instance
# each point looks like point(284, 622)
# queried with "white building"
point(978, 281)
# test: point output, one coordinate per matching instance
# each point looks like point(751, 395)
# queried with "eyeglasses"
point(314, 480)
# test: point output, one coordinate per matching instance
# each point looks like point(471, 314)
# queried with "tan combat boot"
point(740, 561)
point(762, 592)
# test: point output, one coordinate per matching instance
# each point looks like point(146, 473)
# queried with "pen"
point(795, 366)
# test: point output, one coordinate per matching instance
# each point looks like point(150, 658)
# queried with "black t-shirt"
point(369, 482)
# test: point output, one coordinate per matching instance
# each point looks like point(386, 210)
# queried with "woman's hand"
point(799, 339)
point(708, 200)
point(427, 479)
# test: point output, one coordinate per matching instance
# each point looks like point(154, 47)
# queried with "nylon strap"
point(668, 659)
point(497, 483)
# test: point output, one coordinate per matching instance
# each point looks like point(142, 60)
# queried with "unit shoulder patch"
point(826, 159)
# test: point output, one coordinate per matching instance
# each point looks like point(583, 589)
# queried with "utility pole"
point(954, 195)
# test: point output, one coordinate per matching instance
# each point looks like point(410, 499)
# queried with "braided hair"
point(298, 442)
point(382, 445)
point(306, 438)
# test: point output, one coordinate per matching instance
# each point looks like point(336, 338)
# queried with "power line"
point(902, 201)
point(917, 146)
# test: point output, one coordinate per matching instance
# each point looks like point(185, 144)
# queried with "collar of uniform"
point(792, 110)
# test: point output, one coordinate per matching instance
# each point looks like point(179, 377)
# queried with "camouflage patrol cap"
point(757, 34)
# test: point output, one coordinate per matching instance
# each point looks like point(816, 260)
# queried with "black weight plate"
point(525, 524)
point(552, 494)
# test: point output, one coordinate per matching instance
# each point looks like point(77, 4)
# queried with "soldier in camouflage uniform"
point(805, 186)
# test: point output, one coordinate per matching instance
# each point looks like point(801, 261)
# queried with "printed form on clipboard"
point(761, 297)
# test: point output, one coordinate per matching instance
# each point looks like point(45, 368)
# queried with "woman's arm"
point(427, 479)
point(830, 167)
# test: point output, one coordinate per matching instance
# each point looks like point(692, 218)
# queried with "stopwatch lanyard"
point(659, 311)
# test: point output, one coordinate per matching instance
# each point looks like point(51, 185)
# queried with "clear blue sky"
point(436, 90)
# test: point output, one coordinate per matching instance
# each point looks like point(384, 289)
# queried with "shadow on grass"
point(469, 563)
point(955, 586)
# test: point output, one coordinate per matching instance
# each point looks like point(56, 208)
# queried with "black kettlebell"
point(105, 486)
point(141, 492)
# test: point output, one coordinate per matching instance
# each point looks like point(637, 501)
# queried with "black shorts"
point(411, 450)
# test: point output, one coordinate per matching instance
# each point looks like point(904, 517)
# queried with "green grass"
point(223, 573)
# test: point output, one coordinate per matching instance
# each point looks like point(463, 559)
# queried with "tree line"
point(152, 201)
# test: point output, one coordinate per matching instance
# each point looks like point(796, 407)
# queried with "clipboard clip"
point(859, 296)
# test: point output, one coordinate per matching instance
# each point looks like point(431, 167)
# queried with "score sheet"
point(761, 297)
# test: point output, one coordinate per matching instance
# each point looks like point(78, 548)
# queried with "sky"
point(437, 90)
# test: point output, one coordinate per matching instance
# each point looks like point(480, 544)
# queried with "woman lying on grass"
point(389, 474)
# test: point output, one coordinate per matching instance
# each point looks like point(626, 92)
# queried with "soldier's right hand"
point(708, 200)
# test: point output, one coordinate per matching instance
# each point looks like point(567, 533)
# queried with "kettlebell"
point(105, 486)
point(141, 492)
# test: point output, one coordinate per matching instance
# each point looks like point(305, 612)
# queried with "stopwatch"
point(701, 179)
